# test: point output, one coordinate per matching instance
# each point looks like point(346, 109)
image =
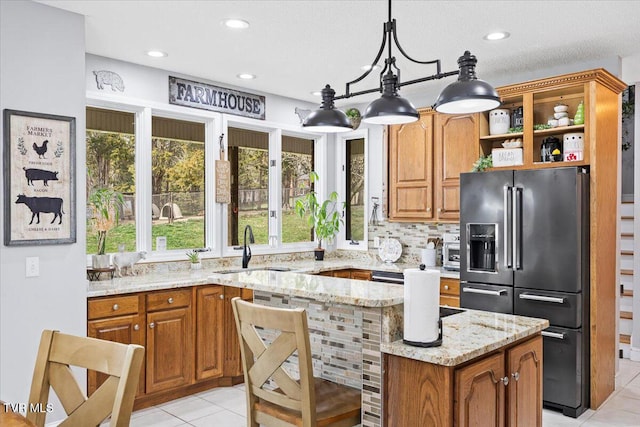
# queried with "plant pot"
point(319, 254)
point(355, 122)
point(101, 261)
point(196, 265)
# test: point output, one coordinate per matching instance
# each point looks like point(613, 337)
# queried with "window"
point(177, 183)
point(296, 163)
point(248, 154)
point(110, 162)
point(354, 189)
point(352, 155)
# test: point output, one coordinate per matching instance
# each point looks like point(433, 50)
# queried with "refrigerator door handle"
point(484, 291)
point(543, 298)
point(552, 335)
point(508, 238)
point(515, 219)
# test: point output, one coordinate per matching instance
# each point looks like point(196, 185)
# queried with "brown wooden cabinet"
point(170, 347)
point(120, 319)
point(410, 170)
point(501, 388)
point(425, 161)
point(210, 323)
point(449, 292)
point(454, 153)
point(189, 335)
point(348, 273)
point(232, 356)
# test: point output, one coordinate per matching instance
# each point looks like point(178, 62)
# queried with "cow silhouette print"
point(38, 205)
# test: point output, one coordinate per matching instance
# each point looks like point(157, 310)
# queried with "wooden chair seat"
point(334, 403)
point(58, 353)
point(274, 397)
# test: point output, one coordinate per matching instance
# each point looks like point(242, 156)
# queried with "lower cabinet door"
point(122, 329)
point(209, 331)
point(524, 397)
point(169, 349)
point(479, 395)
point(232, 356)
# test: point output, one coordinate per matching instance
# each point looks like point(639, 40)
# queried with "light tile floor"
point(225, 407)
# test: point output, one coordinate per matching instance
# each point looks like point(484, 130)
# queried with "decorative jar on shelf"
point(573, 146)
point(579, 117)
point(499, 121)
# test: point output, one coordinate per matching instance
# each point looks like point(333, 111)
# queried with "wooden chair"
point(58, 352)
point(306, 402)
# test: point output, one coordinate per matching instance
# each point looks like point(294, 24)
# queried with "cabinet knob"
point(446, 287)
point(505, 381)
point(116, 307)
point(439, 209)
point(516, 376)
point(152, 325)
point(428, 209)
point(170, 300)
point(136, 327)
point(221, 296)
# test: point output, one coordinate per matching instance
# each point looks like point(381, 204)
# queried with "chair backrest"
point(262, 362)
point(58, 353)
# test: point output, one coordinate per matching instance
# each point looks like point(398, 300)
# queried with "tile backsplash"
point(412, 236)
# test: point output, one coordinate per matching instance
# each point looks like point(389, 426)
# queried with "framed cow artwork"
point(39, 179)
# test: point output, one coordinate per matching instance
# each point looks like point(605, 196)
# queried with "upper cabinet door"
point(455, 151)
point(410, 170)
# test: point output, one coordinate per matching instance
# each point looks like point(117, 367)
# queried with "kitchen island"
point(356, 331)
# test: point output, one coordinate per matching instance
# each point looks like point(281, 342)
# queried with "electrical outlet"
point(32, 266)
point(376, 242)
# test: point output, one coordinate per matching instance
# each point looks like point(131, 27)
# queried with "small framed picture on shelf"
point(39, 179)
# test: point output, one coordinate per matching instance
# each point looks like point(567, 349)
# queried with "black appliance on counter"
point(525, 250)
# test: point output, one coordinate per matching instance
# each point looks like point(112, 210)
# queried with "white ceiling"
point(296, 47)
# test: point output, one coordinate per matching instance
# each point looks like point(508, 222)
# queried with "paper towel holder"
point(436, 343)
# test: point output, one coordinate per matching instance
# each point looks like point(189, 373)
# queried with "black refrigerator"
point(524, 243)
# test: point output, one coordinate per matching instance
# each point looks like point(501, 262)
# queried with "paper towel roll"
point(421, 305)
point(428, 257)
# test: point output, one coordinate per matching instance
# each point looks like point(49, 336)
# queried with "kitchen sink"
point(242, 270)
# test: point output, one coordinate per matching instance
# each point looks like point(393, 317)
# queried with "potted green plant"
point(194, 258)
point(323, 216)
point(354, 117)
point(105, 204)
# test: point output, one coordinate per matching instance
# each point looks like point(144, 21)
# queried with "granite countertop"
point(168, 279)
point(321, 288)
point(468, 335)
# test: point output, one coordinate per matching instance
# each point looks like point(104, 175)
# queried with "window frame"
point(144, 111)
point(216, 227)
point(342, 242)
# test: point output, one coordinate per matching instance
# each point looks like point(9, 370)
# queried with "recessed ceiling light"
point(157, 53)
point(238, 24)
point(246, 76)
point(498, 35)
point(368, 67)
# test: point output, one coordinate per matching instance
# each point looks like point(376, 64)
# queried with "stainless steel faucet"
point(246, 250)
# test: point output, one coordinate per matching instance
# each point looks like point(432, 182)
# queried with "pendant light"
point(327, 118)
point(467, 95)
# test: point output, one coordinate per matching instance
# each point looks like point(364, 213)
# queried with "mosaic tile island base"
point(352, 323)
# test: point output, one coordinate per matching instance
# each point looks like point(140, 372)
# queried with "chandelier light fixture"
point(466, 95)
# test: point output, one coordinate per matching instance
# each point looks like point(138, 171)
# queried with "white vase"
point(499, 120)
point(196, 265)
point(101, 261)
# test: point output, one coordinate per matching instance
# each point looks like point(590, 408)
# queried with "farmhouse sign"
point(207, 97)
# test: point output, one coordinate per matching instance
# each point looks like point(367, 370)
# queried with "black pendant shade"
point(467, 95)
point(390, 108)
point(327, 118)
